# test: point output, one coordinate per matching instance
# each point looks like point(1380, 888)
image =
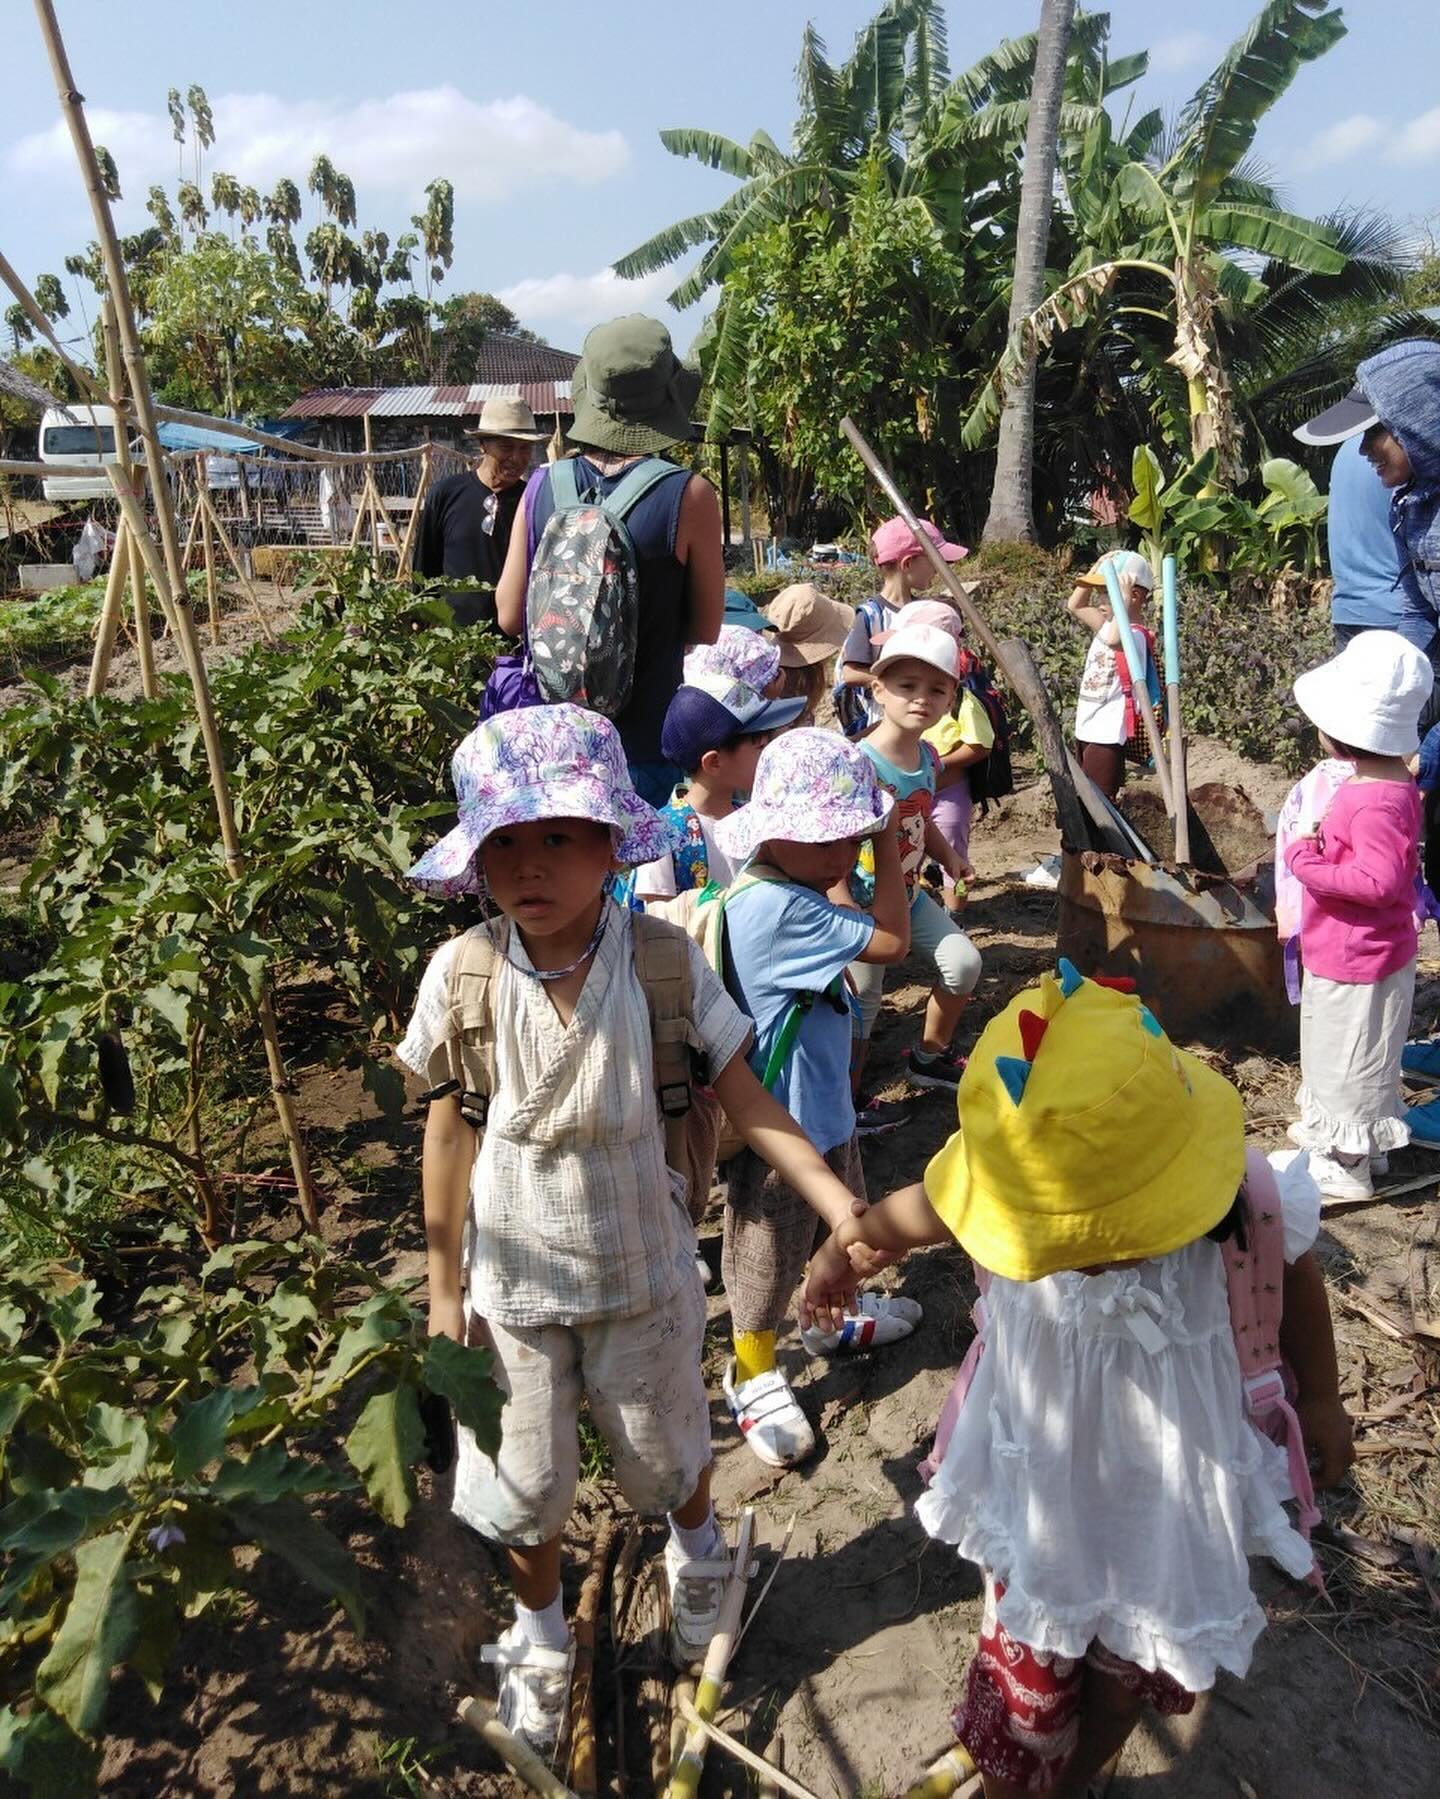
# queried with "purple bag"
point(511, 685)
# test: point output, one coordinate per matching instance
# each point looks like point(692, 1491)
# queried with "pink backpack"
point(1255, 1286)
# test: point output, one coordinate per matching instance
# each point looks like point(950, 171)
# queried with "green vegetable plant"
point(1204, 529)
point(143, 1018)
point(139, 1456)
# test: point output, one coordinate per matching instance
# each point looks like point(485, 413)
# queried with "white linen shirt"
point(1100, 708)
point(574, 1215)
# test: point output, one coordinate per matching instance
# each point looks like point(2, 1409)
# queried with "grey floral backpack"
point(582, 607)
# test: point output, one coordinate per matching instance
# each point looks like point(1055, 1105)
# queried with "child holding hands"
point(1358, 871)
point(1103, 1469)
point(560, 1239)
point(785, 949)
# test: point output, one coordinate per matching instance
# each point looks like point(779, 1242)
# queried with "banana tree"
point(1175, 210)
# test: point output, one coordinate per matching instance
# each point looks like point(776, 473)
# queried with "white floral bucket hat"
point(811, 786)
point(737, 653)
point(540, 762)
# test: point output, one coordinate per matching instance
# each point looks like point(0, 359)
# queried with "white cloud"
point(1345, 138)
point(1418, 140)
point(1183, 50)
point(392, 145)
point(584, 300)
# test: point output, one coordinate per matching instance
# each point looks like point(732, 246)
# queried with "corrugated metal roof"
point(428, 402)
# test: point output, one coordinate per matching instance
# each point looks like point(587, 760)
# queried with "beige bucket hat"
point(810, 626)
point(508, 416)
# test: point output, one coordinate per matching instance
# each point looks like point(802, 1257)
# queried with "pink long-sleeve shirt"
point(1357, 915)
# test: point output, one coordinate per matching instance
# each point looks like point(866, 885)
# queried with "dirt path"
point(855, 1661)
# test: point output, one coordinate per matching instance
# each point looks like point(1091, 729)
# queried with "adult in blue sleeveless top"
point(632, 397)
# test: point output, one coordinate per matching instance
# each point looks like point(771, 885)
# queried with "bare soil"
point(853, 1665)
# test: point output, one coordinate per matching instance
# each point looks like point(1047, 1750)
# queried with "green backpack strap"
point(564, 488)
point(628, 492)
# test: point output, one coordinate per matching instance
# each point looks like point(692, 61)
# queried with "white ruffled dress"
point(1102, 1466)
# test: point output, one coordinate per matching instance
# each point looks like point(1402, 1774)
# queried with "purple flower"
point(164, 1536)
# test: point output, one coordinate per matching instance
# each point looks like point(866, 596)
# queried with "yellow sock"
point(754, 1354)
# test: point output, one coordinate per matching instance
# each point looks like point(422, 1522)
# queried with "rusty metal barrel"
point(1201, 948)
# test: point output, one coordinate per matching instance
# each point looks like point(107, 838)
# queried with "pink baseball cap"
point(894, 541)
point(939, 614)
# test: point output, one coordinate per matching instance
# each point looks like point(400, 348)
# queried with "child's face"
point(1386, 455)
point(734, 767)
point(919, 575)
point(913, 695)
point(817, 865)
point(547, 874)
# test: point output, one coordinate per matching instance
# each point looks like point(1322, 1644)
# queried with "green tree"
point(225, 193)
point(158, 206)
point(1175, 214)
point(109, 174)
point(284, 205)
point(222, 314)
point(202, 125)
point(193, 209)
point(50, 297)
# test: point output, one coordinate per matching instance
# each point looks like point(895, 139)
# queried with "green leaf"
point(40, 1525)
point(1282, 236)
point(75, 1313)
point(198, 1436)
point(158, 1632)
point(465, 1377)
point(119, 1445)
point(384, 1446)
point(1287, 478)
point(269, 1474)
point(286, 1529)
point(45, 1756)
point(97, 1629)
point(172, 1006)
point(1148, 480)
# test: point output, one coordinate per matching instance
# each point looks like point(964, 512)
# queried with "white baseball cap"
point(921, 643)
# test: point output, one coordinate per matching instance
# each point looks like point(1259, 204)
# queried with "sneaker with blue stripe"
point(878, 1319)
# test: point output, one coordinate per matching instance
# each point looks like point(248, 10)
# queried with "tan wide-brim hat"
point(508, 416)
point(810, 626)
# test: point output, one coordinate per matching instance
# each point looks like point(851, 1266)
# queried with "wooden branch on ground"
point(584, 1774)
point(776, 1777)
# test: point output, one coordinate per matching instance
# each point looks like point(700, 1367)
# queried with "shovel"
point(1120, 612)
point(1178, 784)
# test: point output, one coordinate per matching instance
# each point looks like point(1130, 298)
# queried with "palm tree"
point(1011, 510)
point(1173, 210)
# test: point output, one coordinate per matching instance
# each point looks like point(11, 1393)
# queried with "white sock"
point(546, 1629)
point(698, 1544)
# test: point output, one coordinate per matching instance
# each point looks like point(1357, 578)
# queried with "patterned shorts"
point(1020, 1714)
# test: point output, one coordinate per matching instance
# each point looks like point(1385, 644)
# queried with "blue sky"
point(545, 116)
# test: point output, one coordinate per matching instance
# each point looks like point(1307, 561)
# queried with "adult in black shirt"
point(465, 526)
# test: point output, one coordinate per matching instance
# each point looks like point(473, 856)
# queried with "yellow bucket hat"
point(1085, 1136)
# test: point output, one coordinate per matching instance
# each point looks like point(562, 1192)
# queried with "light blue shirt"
point(1365, 555)
point(783, 940)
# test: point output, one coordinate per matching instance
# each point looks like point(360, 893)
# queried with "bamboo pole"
point(165, 572)
point(422, 487)
point(192, 528)
point(109, 614)
point(381, 512)
point(217, 525)
point(144, 642)
point(1170, 619)
point(774, 1777)
point(685, 1780)
point(514, 1751)
point(212, 595)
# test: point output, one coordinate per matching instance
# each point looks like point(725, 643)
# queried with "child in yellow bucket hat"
point(1102, 1468)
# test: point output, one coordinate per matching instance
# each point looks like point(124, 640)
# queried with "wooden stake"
point(685, 1779)
point(584, 1775)
point(166, 574)
point(214, 523)
point(517, 1755)
point(193, 527)
point(422, 487)
point(202, 477)
point(109, 614)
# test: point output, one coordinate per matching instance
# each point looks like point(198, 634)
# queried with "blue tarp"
point(190, 437)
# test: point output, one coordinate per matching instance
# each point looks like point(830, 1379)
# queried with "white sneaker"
point(1339, 1179)
point(696, 1591)
point(770, 1420)
point(534, 1688)
point(878, 1319)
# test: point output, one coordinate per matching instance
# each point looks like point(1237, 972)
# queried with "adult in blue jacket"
point(1394, 412)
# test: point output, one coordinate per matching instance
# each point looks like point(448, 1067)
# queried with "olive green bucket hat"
point(631, 392)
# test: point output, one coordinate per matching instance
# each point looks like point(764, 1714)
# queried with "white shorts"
point(647, 1398)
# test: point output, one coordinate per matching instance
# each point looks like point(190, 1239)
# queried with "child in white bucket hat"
point(555, 1239)
point(786, 947)
point(1357, 869)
